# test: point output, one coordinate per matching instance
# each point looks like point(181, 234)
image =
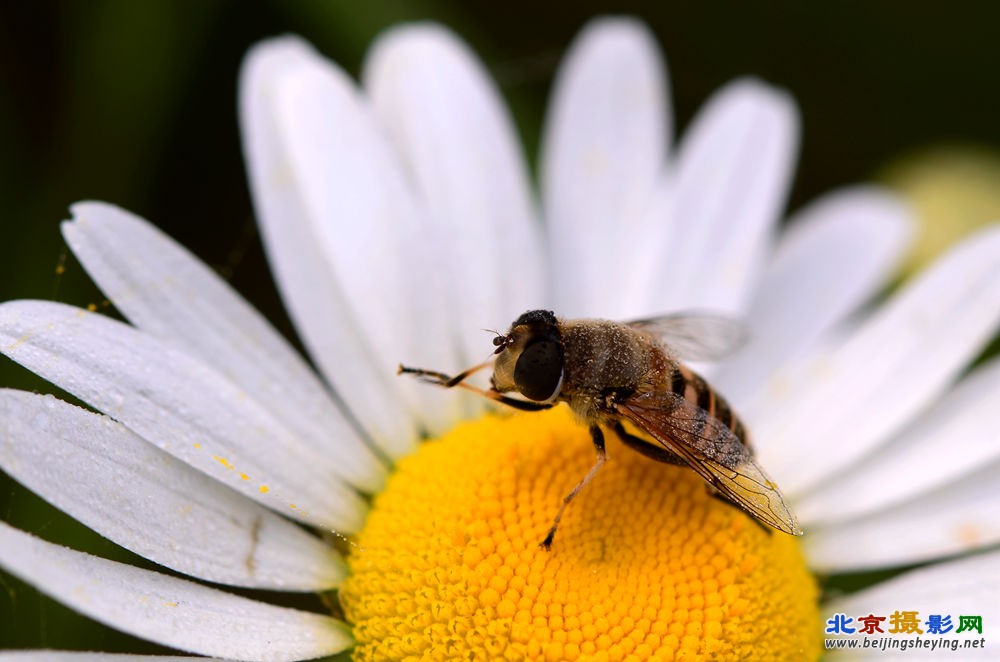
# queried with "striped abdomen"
point(690, 386)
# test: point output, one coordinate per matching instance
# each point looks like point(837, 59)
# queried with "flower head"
point(399, 221)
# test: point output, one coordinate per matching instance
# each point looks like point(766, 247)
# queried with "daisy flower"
point(399, 220)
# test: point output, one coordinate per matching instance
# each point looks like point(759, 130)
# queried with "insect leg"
point(642, 446)
point(446, 381)
point(439, 378)
point(598, 437)
point(523, 405)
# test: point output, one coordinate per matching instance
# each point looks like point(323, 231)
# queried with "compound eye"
point(538, 371)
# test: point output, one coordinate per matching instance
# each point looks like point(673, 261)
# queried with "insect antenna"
point(499, 340)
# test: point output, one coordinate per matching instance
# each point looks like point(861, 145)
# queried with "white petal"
point(86, 656)
point(380, 245)
point(850, 400)
point(732, 173)
point(604, 147)
point(952, 438)
point(167, 610)
point(181, 405)
point(301, 260)
point(141, 498)
point(968, 586)
point(450, 125)
point(653, 239)
point(834, 256)
point(163, 290)
point(960, 517)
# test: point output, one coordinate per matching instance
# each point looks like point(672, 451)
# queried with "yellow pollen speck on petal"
point(197, 446)
point(243, 476)
point(223, 461)
point(264, 489)
point(645, 565)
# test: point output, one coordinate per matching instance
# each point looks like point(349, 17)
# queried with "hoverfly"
point(610, 373)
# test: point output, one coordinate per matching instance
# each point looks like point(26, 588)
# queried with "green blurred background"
point(133, 102)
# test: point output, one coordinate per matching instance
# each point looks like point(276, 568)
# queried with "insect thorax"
point(605, 355)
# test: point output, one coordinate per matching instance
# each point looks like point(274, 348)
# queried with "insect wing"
point(696, 336)
point(712, 450)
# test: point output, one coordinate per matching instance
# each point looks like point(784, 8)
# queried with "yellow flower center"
point(645, 565)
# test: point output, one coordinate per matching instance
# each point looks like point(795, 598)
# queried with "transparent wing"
point(696, 336)
point(712, 450)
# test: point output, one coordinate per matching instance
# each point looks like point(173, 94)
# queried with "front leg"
point(445, 381)
point(439, 378)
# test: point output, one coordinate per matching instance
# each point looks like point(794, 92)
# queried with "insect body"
point(610, 373)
